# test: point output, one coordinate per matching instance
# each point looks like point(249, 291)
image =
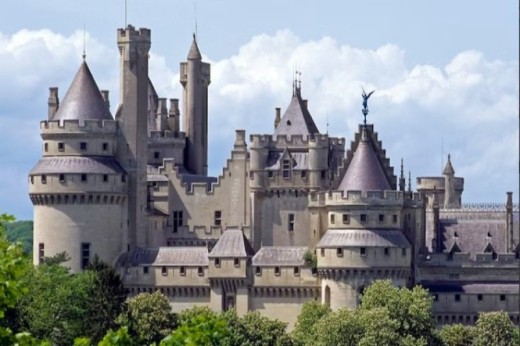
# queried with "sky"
point(445, 75)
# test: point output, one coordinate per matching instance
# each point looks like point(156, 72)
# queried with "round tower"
point(318, 161)
point(78, 189)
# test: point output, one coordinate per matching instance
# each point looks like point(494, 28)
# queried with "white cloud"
point(470, 105)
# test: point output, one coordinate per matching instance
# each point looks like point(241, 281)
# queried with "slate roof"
point(448, 169)
point(280, 256)
point(164, 256)
point(232, 243)
point(190, 179)
point(194, 53)
point(471, 287)
point(77, 164)
point(83, 100)
point(296, 120)
point(152, 174)
point(363, 237)
point(300, 160)
point(474, 236)
point(364, 172)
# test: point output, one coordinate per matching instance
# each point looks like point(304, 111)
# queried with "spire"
point(409, 181)
point(194, 53)
point(402, 180)
point(448, 169)
point(364, 172)
point(83, 99)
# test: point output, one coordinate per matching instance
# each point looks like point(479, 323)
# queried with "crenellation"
point(78, 126)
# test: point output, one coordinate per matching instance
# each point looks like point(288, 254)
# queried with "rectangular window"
point(46, 147)
point(41, 252)
point(363, 217)
point(296, 271)
point(394, 217)
point(123, 178)
point(258, 271)
point(387, 251)
point(363, 251)
point(332, 219)
point(61, 146)
point(83, 145)
point(200, 271)
point(85, 255)
point(304, 174)
point(183, 271)
point(435, 297)
point(277, 271)
point(457, 297)
point(290, 220)
point(164, 271)
point(381, 218)
point(146, 270)
point(236, 262)
point(479, 297)
point(44, 179)
point(217, 262)
point(346, 219)
point(218, 218)
point(105, 177)
point(339, 252)
point(403, 252)
point(62, 178)
point(270, 174)
point(322, 252)
point(105, 146)
point(286, 169)
point(177, 220)
point(155, 154)
point(502, 297)
point(323, 174)
point(83, 177)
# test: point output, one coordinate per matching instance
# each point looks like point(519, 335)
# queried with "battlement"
point(438, 183)
point(464, 259)
point(131, 34)
point(317, 140)
point(166, 135)
point(387, 197)
point(81, 126)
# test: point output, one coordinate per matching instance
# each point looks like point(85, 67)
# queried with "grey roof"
point(77, 164)
point(153, 103)
point(164, 256)
point(296, 120)
point(471, 287)
point(83, 100)
point(153, 174)
point(190, 179)
point(474, 236)
point(232, 243)
point(364, 172)
point(194, 53)
point(300, 160)
point(363, 237)
point(280, 256)
point(448, 169)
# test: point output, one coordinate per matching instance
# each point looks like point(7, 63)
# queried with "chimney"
point(53, 102)
point(174, 115)
point(104, 94)
point(240, 139)
point(277, 117)
point(162, 115)
point(509, 222)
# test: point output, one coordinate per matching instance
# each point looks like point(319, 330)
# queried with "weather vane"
point(365, 103)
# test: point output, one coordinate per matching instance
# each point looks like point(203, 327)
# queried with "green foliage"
point(412, 309)
point(26, 339)
point(118, 338)
point(494, 328)
point(198, 326)
point(312, 311)
point(311, 260)
point(57, 259)
point(341, 327)
point(106, 300)
point(148, 318)
point(457, 335)
point(21, 232)
point(379, 328)
point(253, 329)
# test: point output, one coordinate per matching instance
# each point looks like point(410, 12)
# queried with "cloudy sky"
point(445, 74)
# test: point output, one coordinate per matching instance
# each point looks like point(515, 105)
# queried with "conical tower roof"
point(448, 169)
point(194, 53)
point(296, 120)
point(83, 100)
point(364, 172)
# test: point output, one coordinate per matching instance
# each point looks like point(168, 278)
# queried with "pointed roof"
point(448, 169)
point(194, 53)
point(364, 172)
point(232, 243)
point(83, 100)
point(296, 120)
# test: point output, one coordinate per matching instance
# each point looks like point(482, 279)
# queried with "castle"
point(295, 216)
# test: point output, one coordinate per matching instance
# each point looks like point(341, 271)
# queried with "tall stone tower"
point(195, 78)
point(134, 46)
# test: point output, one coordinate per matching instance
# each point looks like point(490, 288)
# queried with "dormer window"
point(286, 169)
point(289, 123)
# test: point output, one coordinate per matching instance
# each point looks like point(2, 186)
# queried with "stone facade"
point(133, 189)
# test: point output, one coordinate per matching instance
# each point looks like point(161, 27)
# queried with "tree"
point(457, 335)
point(379, 328)
point(494, 328)
point(304, 329)
point(411, 308)
point(106, 300)
point(253, 329)
point(341, 327)
point(21, 232)
point(148, 318)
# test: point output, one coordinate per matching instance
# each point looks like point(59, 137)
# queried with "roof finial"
point(84, 50)
point(126, 13)
point(402, 180)
point(195, 14)
point(409, 181)
point(365, 104)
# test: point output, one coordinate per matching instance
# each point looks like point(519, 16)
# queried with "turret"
point(277, 117)
point(161, 119)
point(53, 102)
point(402, 180)
point(174, 115)
point(449, 185)
point(195, 79)
point(134, 46)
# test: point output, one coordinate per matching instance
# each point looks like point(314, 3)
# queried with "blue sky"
point(445, 74)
